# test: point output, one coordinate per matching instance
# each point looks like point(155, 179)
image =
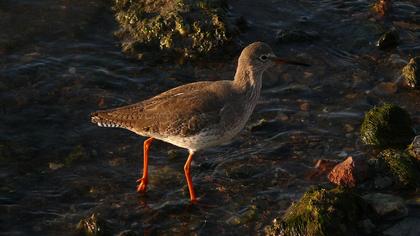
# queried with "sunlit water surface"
point(59, 61)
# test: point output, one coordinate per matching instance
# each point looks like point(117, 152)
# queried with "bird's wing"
point(182, 111)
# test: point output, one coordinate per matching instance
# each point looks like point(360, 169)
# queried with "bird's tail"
point(105, 119)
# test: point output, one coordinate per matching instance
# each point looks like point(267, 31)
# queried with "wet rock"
point(78, 154)
point(387, 206)
point(385, 88)
point(177, 153)
point(401, 166)
point(349, 173)
point(305, 106)
point(295, 36)
point(243, 216)
point(382, 7)
point(387, 126)
point(414, 148)
point(406, 227)
point(184, 28)
point(411, 73)
point(382, 182)
point(94, 225)
point(367, 226)
point(244, 171)
point(321, 212)
point(388, 40)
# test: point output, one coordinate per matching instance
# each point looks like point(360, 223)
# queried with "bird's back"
point(181, 112)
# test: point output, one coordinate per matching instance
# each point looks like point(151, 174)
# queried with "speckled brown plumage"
point(198, 115)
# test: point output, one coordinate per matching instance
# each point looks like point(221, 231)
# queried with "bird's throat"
point(248, 82)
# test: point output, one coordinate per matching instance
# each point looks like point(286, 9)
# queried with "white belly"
point(202, 140)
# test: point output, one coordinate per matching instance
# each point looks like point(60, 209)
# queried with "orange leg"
point(143, 180)
point(188, 177)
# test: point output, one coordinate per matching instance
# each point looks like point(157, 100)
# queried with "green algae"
point(411, 72)
point(401, 166)
point(184, 28)
point(387, 126)
point(321, 212)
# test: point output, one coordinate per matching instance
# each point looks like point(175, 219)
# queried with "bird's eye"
point(263, 57)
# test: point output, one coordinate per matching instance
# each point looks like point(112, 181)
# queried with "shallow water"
point(59, 62)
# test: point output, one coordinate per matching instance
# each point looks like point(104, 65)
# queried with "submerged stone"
point(387, 126)
point(401, 166)
point(387, 206)
point(388, 40)
point(321, 212)
point(243, 216)
point(184, 28)
point(79, 153)
point(295, 36)
point(411, 73)
point(93, 225)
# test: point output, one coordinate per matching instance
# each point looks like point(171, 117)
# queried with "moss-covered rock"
point(411, 73)
point(184, 28)
point(322, 212)
point(401, 166)
point(387, 126)
point(382, 7)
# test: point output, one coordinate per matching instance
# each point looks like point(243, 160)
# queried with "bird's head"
point(260, 56)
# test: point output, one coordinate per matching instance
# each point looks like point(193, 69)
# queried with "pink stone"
point(349, 173)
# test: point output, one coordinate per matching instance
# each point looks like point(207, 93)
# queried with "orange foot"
point(141, 188)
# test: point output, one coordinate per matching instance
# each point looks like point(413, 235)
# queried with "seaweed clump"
point(411, 73)
point(401, 166)
point(184, 28)
point(387, 126)
point(321, 212)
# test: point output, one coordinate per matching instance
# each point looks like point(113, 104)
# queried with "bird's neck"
point(248, 82)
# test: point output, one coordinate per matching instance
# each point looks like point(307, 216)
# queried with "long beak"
point(282, 61)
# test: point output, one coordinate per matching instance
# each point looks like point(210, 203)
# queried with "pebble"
point(349, 172)
point(385, 88)
point(305, 106)
point(348, 128)
point(387, 206)
point(55, 166)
